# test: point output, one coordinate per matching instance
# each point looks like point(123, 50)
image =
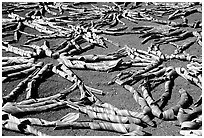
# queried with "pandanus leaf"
point(70, 117)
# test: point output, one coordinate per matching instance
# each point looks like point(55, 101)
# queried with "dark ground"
point(115, 94)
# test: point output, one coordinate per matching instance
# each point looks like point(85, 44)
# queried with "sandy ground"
point(115, 94)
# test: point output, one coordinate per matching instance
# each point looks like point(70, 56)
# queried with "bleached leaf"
point(69, 117)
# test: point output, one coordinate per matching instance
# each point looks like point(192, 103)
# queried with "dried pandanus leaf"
point(135, 64)
point(198, 36)
point(16, 32)
point(47, 9)
point(171, 16)
point(142, 102)
point(175, 32)
point(154, 36)
point(33, 24)
point(138, 98)
point(64, 47)
point(194, 112)
point(199, 101)
point(171, 113)
point(17, 60)
point(146, 69)
point(118, 112)
point(58, 96)
point(130, 78)
point(184, 115)
point(184, 102)
point(110, 109)
point(17, 50)
point(75, 51)
point(92, 37)
point(194, 124)
point(154, 107)
point(38, 49)
point(40, 37)
point(182, 36)
point(19, 88)
point(14, 68)
point(66, 73)
point(185, 99)
point(195, 69)
point(191, 132)
point(91, 58)
point(98, 66)
point(117, 127)
point(31, 86)
point(185, 74)
point(167, 91)
point(23, 128)
point(9, 24)
point(25, 5)
point(23, 72)
point(168, 77)
point(16, 108)
point(76, 46)
point(45, 47)
point(70, 117)
point(184, 57)
point(132, 52)
point(12, 123)
point(85, 91)
point(110, 117)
